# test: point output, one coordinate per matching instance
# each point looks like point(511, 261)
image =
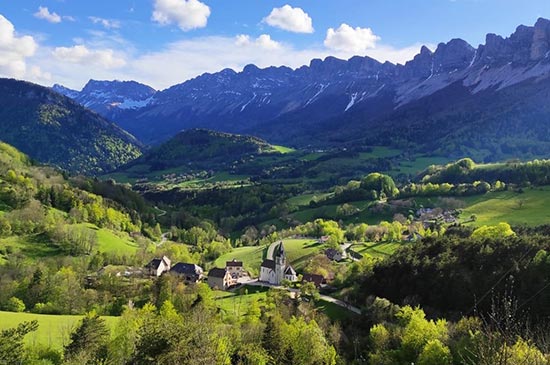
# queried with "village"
point(275, 271)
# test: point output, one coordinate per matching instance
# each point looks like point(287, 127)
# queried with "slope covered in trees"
point(53, 129)
point(201, 149)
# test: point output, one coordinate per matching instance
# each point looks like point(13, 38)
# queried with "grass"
point(32, 246)
point(304, 199)
point(329, 211)
point(376, 250)
point(36, 247)
point(110, 242)
point(250, 256)
point(299, 251)
point(334, 311)
point(419, 164)
point(237, 303)
point(53, 330)
point(283, 149)
point(529, 208)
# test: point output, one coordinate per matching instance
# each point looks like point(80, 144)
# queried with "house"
point(334, 255)
point(190, 273)
point(157, 267)
point(274, 268)
point(235, 268)
point(220, 279)
point(318, 280)
point(324, 239)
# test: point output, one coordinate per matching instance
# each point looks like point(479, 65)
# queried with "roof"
point(153, 264)
point(233, 263)
point(290, 271)
point(332, 253)
point(217, 273)
point(270, 264)
point(183, 268)
point(313, 278)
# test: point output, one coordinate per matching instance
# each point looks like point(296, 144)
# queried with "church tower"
point(280, 263)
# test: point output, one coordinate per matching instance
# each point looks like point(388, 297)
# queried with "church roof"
point(290, 271)
point(270, 264)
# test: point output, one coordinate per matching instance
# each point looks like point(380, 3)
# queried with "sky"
point(165, 42)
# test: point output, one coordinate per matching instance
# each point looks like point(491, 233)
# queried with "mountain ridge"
point(261, 101)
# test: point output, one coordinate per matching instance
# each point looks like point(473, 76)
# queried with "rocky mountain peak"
point(452, 56)
point(541, 40)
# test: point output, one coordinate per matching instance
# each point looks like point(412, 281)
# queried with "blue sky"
point(164, 42)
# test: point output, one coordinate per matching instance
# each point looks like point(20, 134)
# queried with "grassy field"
point(34, 247)
point(334, 311)
point(376, 250)
point(304, 199)
point(110, 242)
point(238, 303)
point(250, 256)
point(283, 149)
point(419, 164)
point(298, 252)
point(330, 212)
point(52, 330)
point(529, 208)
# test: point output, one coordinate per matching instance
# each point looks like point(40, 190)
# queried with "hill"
point(42, 214)
point(199, 150)
point(53, 129)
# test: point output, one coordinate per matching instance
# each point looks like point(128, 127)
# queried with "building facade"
point(274, 268)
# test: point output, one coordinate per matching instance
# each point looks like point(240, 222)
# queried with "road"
point(338, 302)
point(163, 239)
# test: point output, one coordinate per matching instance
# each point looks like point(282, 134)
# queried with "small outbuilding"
point(316, 279)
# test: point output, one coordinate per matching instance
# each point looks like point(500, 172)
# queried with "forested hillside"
point(53, 129)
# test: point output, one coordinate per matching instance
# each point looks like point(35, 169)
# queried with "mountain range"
point(500, 85)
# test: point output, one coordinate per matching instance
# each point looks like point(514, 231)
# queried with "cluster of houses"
point(191, 273)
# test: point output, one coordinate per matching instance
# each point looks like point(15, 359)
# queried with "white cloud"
point(187, 14)
point(291, 19)
point(14, 50)
point(106, 23)
point(44, 13)
point(264, 41)
point(349, 39)
point(80, 54)
point(182, 60)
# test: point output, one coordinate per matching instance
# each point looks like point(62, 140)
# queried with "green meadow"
point(53, 330)
point(532, 207)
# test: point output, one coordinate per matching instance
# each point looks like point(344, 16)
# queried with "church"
point(274, 268)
